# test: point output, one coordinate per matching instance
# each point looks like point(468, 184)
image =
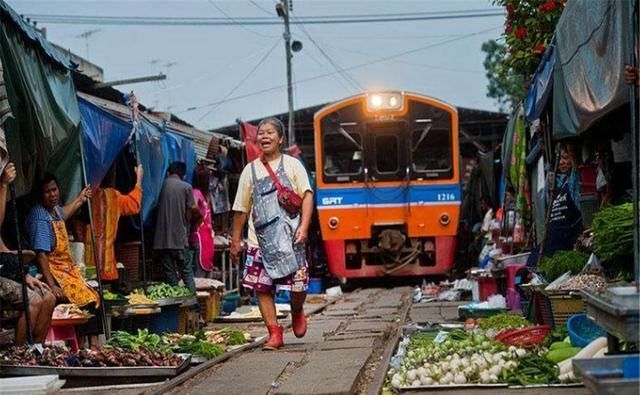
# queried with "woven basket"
point(563, 305)
point(129, 255)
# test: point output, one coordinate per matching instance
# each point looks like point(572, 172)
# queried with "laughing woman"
point(49, 239)
point(277, 230)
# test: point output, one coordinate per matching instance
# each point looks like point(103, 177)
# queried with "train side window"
point(432, 152)
point(387, 160)
point(342, 154)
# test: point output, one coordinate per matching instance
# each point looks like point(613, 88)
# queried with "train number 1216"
point(446, 197)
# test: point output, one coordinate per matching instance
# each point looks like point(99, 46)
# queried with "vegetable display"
point(532, 370)
point(499, 322)
point(561, 262)
point(137, 297)
point(142, 340)
point(613, 231)
point(95, 357)
point(460, 359)
point(585, 281)
point(161, 291)
point(228, 336)
point(107, 295)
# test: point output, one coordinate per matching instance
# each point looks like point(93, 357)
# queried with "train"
point(388, 189)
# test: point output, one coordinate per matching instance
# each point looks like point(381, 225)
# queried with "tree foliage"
point(529, 27)
point(505, 86)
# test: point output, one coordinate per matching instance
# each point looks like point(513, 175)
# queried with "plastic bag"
point(497, 301)
point(559, 281)
point(449, 296)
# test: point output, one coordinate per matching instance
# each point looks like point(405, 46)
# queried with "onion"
point(460, 379)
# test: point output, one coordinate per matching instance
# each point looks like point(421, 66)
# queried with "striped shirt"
point(40, 228)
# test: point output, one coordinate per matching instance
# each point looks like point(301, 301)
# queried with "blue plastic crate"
point(166, 321)
point(583, 330)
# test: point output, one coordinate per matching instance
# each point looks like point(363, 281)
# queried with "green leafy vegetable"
point(562, 262)
point(504, 321)
point(613, 232)
point(143, 339)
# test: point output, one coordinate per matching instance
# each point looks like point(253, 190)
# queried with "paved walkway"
point(331, 359)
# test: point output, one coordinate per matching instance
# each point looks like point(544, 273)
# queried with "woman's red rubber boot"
point(299, 322)
point(275, 340)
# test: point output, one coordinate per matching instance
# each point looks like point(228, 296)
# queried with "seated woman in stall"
point(48, 237)
point(41, 300)
point(108, 205)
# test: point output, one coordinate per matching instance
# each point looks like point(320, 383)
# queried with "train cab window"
point(342, 159)
point(431, 149)
point(387, 154)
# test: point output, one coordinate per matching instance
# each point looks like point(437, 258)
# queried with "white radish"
point(416, 383)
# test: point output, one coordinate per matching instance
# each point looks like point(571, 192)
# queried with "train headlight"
point(333, 222)
point(386, 101)
point(444, 219)
point(376, 101)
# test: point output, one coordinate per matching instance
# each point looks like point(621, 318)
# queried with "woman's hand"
point(301, 236)
point(86, 194)
point(139, 174)
point(235, 251)
point(57, 292)
point(9, 174)
point(34, 284)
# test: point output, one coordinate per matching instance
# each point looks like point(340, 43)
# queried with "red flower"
point(548, 6)
point(539, 48)
point(521, 32)
point(510, 10)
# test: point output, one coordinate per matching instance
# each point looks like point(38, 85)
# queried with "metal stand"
point(101, 309)
point(23, 273)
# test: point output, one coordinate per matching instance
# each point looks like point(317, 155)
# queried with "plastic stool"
point(66, 333)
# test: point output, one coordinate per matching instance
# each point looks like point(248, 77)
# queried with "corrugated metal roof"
point(200, 138)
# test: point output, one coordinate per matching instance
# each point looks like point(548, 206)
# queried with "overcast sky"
point(210, 61)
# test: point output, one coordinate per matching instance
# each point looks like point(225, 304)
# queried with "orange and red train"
point(388, 184)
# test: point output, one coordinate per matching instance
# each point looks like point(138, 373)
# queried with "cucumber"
point(559, 345)
point(561, 354)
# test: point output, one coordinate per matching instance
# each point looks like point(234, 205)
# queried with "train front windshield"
point(417, 144)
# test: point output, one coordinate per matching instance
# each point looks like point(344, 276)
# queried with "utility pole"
point(283, 10)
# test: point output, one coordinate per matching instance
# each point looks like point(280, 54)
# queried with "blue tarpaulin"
point(181, 149)
point(541, 86)
point(153, 154)
point(104, 136)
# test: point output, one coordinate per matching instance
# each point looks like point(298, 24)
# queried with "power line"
point(319, 63)
point(317, 77)
point(236, 23)
point(430, 66)
point(335, 65)
point(245, 21)
point(261, 8)
point(239, 84)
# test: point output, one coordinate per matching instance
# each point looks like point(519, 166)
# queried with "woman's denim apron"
point(275, 229)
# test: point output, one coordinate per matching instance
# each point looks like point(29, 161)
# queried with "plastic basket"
point(583, 330)
point(524, 337)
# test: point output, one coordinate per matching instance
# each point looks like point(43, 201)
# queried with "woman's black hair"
point(46, 179)
point(201, 176)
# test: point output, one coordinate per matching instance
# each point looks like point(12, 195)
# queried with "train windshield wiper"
point(348, 137)
point(424, 134)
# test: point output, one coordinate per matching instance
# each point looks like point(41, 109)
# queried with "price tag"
point(442, 336)
point(39, 348)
